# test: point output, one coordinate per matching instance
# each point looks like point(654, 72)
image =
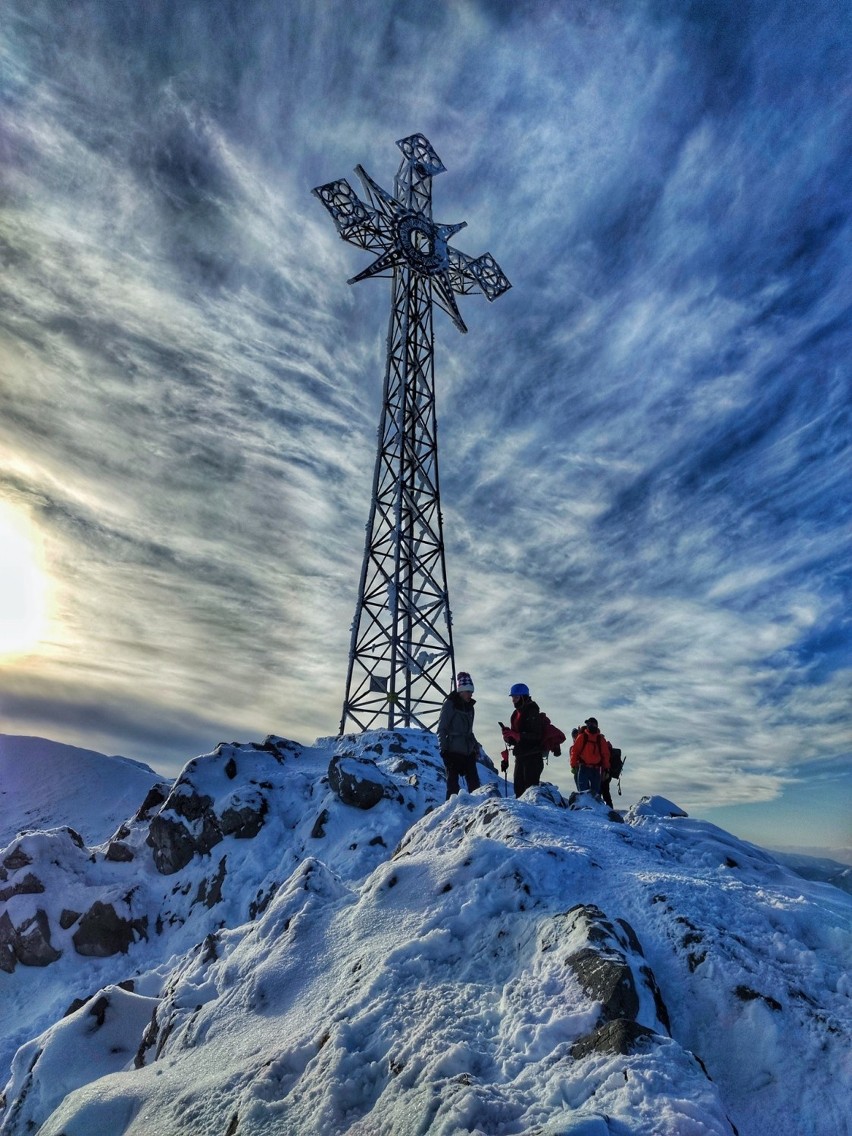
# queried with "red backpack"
point(551, 736)
point(591, 745)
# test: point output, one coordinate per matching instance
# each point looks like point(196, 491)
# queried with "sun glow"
point(23, 585)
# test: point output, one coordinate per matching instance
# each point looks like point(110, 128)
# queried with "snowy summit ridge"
point(308, 939)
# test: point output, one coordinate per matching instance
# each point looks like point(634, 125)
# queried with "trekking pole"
point(504, 762)
point(623, 762)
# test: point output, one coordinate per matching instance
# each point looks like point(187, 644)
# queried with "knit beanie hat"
point(464, 681)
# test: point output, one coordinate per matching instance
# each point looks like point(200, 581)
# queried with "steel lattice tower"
point(401, 662)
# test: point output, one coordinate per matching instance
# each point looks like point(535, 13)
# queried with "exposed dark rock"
point(149, 1039)
point(153, 799)
point(608, 979)
point(261, 901)
point(604, 967)
point(99, 1008)
point(746, 994)
point(193, 806)
point(118, 852)
point(16, 860)
point(211, 949)
point(318, 831)
point(68, 918)
point(659, 1004)
point(231, 768)
point(31, 944)
point(359, 782)
point(212, 894)
point(632, 937)
point(75, 1005)
point(103, 932)
point(549, 792)
point(173, 842)
point(8, 961)
point(244, 822)
point(405, 765)
point(29, 885)
point(620, 1035)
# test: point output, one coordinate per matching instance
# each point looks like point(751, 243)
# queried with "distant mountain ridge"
point(308, 939)
point(47, 784)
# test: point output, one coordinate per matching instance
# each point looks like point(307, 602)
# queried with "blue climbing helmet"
point(519, 689)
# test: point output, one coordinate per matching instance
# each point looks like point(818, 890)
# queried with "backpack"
point(592, 746)
point(551, 736)
point(616, 763)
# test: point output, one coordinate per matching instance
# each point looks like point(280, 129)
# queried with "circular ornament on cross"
point(422, 245)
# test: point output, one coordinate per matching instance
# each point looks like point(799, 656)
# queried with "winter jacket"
point(455, 726)
point(526, 722)
point(590, 748)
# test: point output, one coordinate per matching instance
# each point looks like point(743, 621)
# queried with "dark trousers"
point(460, 765)
point(589, 779)
point(528, 771)
point(605, 790)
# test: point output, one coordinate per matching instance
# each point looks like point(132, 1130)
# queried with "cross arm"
point(472, 274)
point(356, 222)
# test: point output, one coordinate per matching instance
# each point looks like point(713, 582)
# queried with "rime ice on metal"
point(401, 662)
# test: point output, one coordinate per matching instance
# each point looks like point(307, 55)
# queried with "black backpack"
point(616, 763)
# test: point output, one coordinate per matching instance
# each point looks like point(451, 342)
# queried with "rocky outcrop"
point(174, 843)
point(103, 932)
point(619, 1036)
point(192, 823)
point(29, 885)
point(28, 944)
point(608, 962)
point(359, 782)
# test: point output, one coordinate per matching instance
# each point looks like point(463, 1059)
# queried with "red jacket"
point(590, 748)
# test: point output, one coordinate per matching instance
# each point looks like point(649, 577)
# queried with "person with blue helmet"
point(525, 735)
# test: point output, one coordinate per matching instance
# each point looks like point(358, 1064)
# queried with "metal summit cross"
point(401, 660)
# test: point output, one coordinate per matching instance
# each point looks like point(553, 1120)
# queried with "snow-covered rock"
point(482, 965)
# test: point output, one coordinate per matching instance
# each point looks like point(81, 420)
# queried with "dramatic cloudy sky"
point(645, 444)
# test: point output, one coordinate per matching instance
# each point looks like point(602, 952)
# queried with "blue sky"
point(645, 455)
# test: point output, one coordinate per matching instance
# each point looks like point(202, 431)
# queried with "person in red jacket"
point(590, 758)
point(525, 734)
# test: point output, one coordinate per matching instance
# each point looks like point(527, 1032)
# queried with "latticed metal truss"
point(401, 660)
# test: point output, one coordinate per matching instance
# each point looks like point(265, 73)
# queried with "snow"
point(47, 784)
point(412, 967)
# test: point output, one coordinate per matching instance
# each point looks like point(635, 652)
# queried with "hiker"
point(590, 758)
point(525, 734)
point(459, 747)
point(574, 733)
point(616, 764)
point(606, 778)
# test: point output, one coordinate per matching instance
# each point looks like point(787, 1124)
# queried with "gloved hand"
point(504, 765)
point(511, 736)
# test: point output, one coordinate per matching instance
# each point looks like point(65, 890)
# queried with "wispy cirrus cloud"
point(644, 444)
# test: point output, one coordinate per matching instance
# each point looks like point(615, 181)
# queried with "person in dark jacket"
point(590, 758)
point(459, 747)
point(525, 735)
